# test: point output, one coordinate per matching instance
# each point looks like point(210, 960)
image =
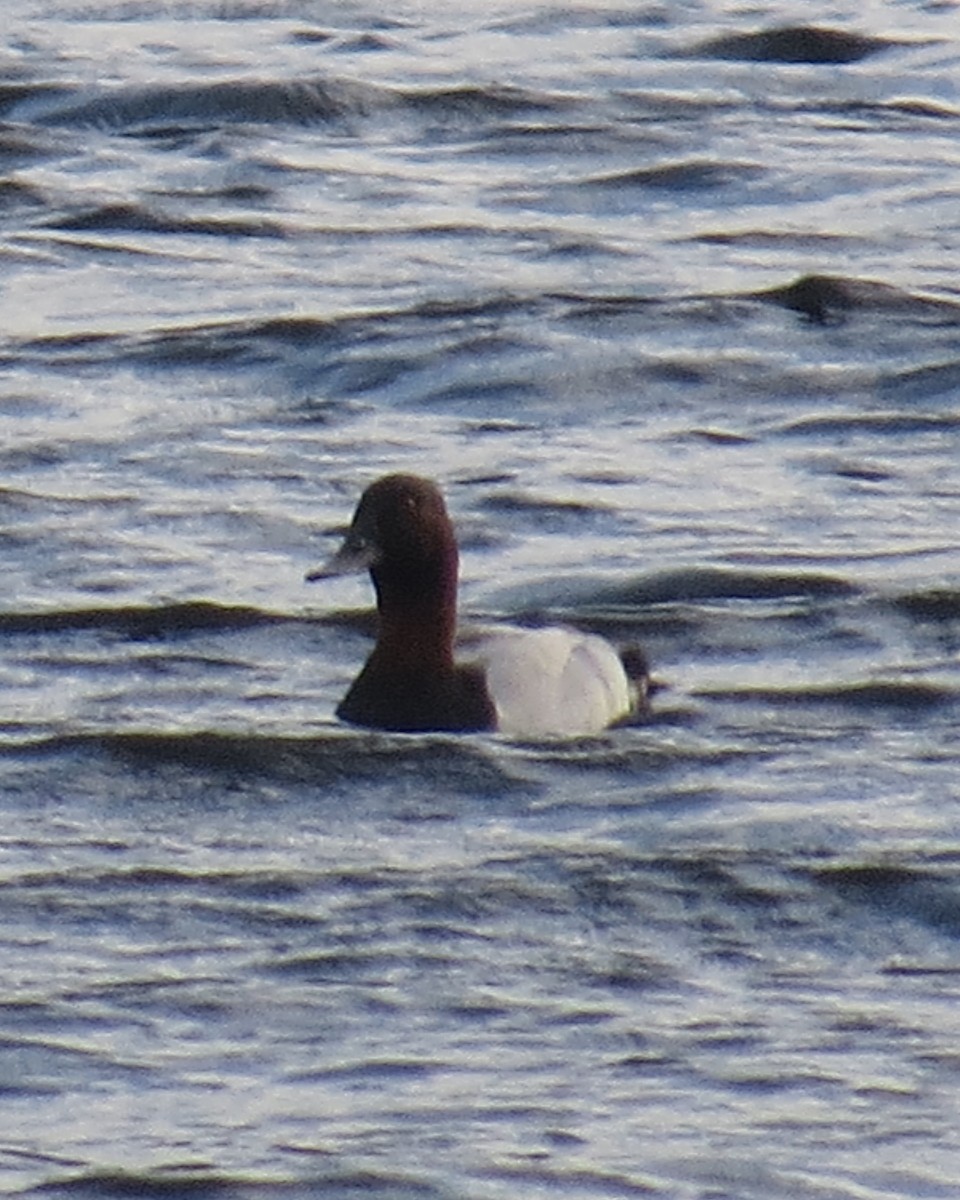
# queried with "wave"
point(682, 586)
point(143, 620)
point(933, 605)
point(919, 895)
point(819, 297)
point(19, 94)
point(795, 44)
point(892, 424)
point(450, 765)
point(269, 338)
point(141, 218)
point(688, 176)
point(192, 1183)
point(921, 383)
point(675, 607)
point(901, 116)
point(822, 297)
point(907, 696)
point(727, 583)
point(161, 110)
point(169, 109)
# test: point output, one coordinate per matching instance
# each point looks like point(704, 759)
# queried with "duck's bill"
point(352, 558)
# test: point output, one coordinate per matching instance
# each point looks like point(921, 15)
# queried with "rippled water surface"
point(666, 298)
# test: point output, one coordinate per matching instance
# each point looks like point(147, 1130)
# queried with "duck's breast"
point(553, 682)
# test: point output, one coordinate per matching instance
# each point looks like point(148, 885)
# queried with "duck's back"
point(554, 682)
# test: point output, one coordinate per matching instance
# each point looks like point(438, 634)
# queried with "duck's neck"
point(417, 612)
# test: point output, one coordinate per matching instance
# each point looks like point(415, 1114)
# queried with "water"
point(675, 323)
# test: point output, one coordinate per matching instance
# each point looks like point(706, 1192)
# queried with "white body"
point(553, 682)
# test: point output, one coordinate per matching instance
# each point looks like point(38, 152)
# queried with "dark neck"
point(418, 615)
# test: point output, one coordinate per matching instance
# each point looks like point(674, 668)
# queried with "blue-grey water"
point(669, 303)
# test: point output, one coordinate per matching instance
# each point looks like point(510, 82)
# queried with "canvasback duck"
point(523, 682)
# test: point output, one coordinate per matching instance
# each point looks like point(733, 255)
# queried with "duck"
point(530, 683)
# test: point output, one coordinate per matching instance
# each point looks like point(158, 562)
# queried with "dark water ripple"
point(348, 357)
point(796, 44)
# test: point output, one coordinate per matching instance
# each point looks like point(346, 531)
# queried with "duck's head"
point(400, 530)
